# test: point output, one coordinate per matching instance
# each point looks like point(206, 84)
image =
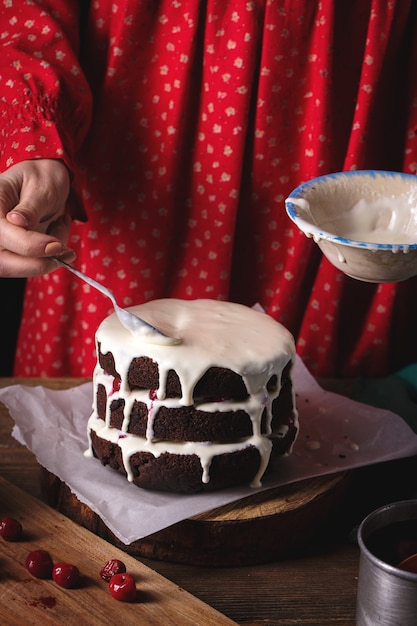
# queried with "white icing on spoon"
point(135, 325)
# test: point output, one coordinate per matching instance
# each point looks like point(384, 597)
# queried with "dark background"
point(11, 296)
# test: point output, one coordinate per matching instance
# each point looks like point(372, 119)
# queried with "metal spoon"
point(134, 324)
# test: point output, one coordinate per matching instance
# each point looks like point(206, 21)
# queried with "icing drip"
point(213, 334)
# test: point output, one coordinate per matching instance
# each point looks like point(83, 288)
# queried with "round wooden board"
point(264, 527)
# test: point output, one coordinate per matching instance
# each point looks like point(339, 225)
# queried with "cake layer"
point(143, 373)
point(180, 473)
point(139, 413)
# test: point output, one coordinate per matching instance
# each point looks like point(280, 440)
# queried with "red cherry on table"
point(39, 564)
point(66, 575)
point(122, 587)
point(112, 567)
point(10, 529)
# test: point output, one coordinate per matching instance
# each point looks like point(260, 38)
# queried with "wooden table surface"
point(316, 588)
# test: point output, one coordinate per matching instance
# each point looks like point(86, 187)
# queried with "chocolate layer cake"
point(203, 414)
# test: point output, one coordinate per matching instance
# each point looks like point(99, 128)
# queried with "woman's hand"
point(33, 223)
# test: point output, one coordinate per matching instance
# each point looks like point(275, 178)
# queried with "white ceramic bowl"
point(364, 221)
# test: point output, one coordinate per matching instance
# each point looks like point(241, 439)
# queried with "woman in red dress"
point(171, 132)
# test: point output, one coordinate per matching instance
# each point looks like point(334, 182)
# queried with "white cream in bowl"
point(387, 220)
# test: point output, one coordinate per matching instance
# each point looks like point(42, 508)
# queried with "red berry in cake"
point(10, 529)
point(116, 385)
point(122, 587)
point(112, 567)
point(66, 575)
point(39, 564)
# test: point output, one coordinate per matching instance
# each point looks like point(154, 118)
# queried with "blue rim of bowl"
point(316, 233)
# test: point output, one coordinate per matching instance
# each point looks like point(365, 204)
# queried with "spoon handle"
point(134, 324)
point(88, 280)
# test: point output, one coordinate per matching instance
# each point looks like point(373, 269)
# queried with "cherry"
point(66, 575)
point(116, 386)
point(122, 587)
point(112, 567)
point(39, 563)
point(10, 529)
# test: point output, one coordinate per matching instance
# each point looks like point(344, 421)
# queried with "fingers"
point(35, 190)
point(15, 266)
point(26, 253)
point(33, 224)
point(27, 243)
point(60, 228)
point(18, 219)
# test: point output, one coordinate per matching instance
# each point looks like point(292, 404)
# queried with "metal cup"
point(387, 595)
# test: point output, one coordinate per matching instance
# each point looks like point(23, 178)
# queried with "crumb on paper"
point(353, 446)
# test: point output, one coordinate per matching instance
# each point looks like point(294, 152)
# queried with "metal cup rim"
point(392, 569)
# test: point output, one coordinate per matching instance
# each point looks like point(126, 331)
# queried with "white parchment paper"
point(335, 434)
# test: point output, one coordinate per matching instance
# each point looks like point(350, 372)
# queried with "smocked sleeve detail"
point(45, 102)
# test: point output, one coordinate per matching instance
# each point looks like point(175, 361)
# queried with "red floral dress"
point(186, 123)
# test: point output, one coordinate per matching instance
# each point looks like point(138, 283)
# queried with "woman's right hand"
point(33, 222)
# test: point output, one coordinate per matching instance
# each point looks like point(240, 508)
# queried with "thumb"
point(28, 217)
point(19, 218)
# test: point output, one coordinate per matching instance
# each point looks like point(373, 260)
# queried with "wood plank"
point(27, 600)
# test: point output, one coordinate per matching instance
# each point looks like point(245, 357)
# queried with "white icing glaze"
point(212, 333)
point(386, 220)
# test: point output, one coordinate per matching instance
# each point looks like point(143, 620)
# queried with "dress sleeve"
point(45, 100)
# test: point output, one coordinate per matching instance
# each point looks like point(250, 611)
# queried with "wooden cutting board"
point(27, 600)
point(260, 528)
